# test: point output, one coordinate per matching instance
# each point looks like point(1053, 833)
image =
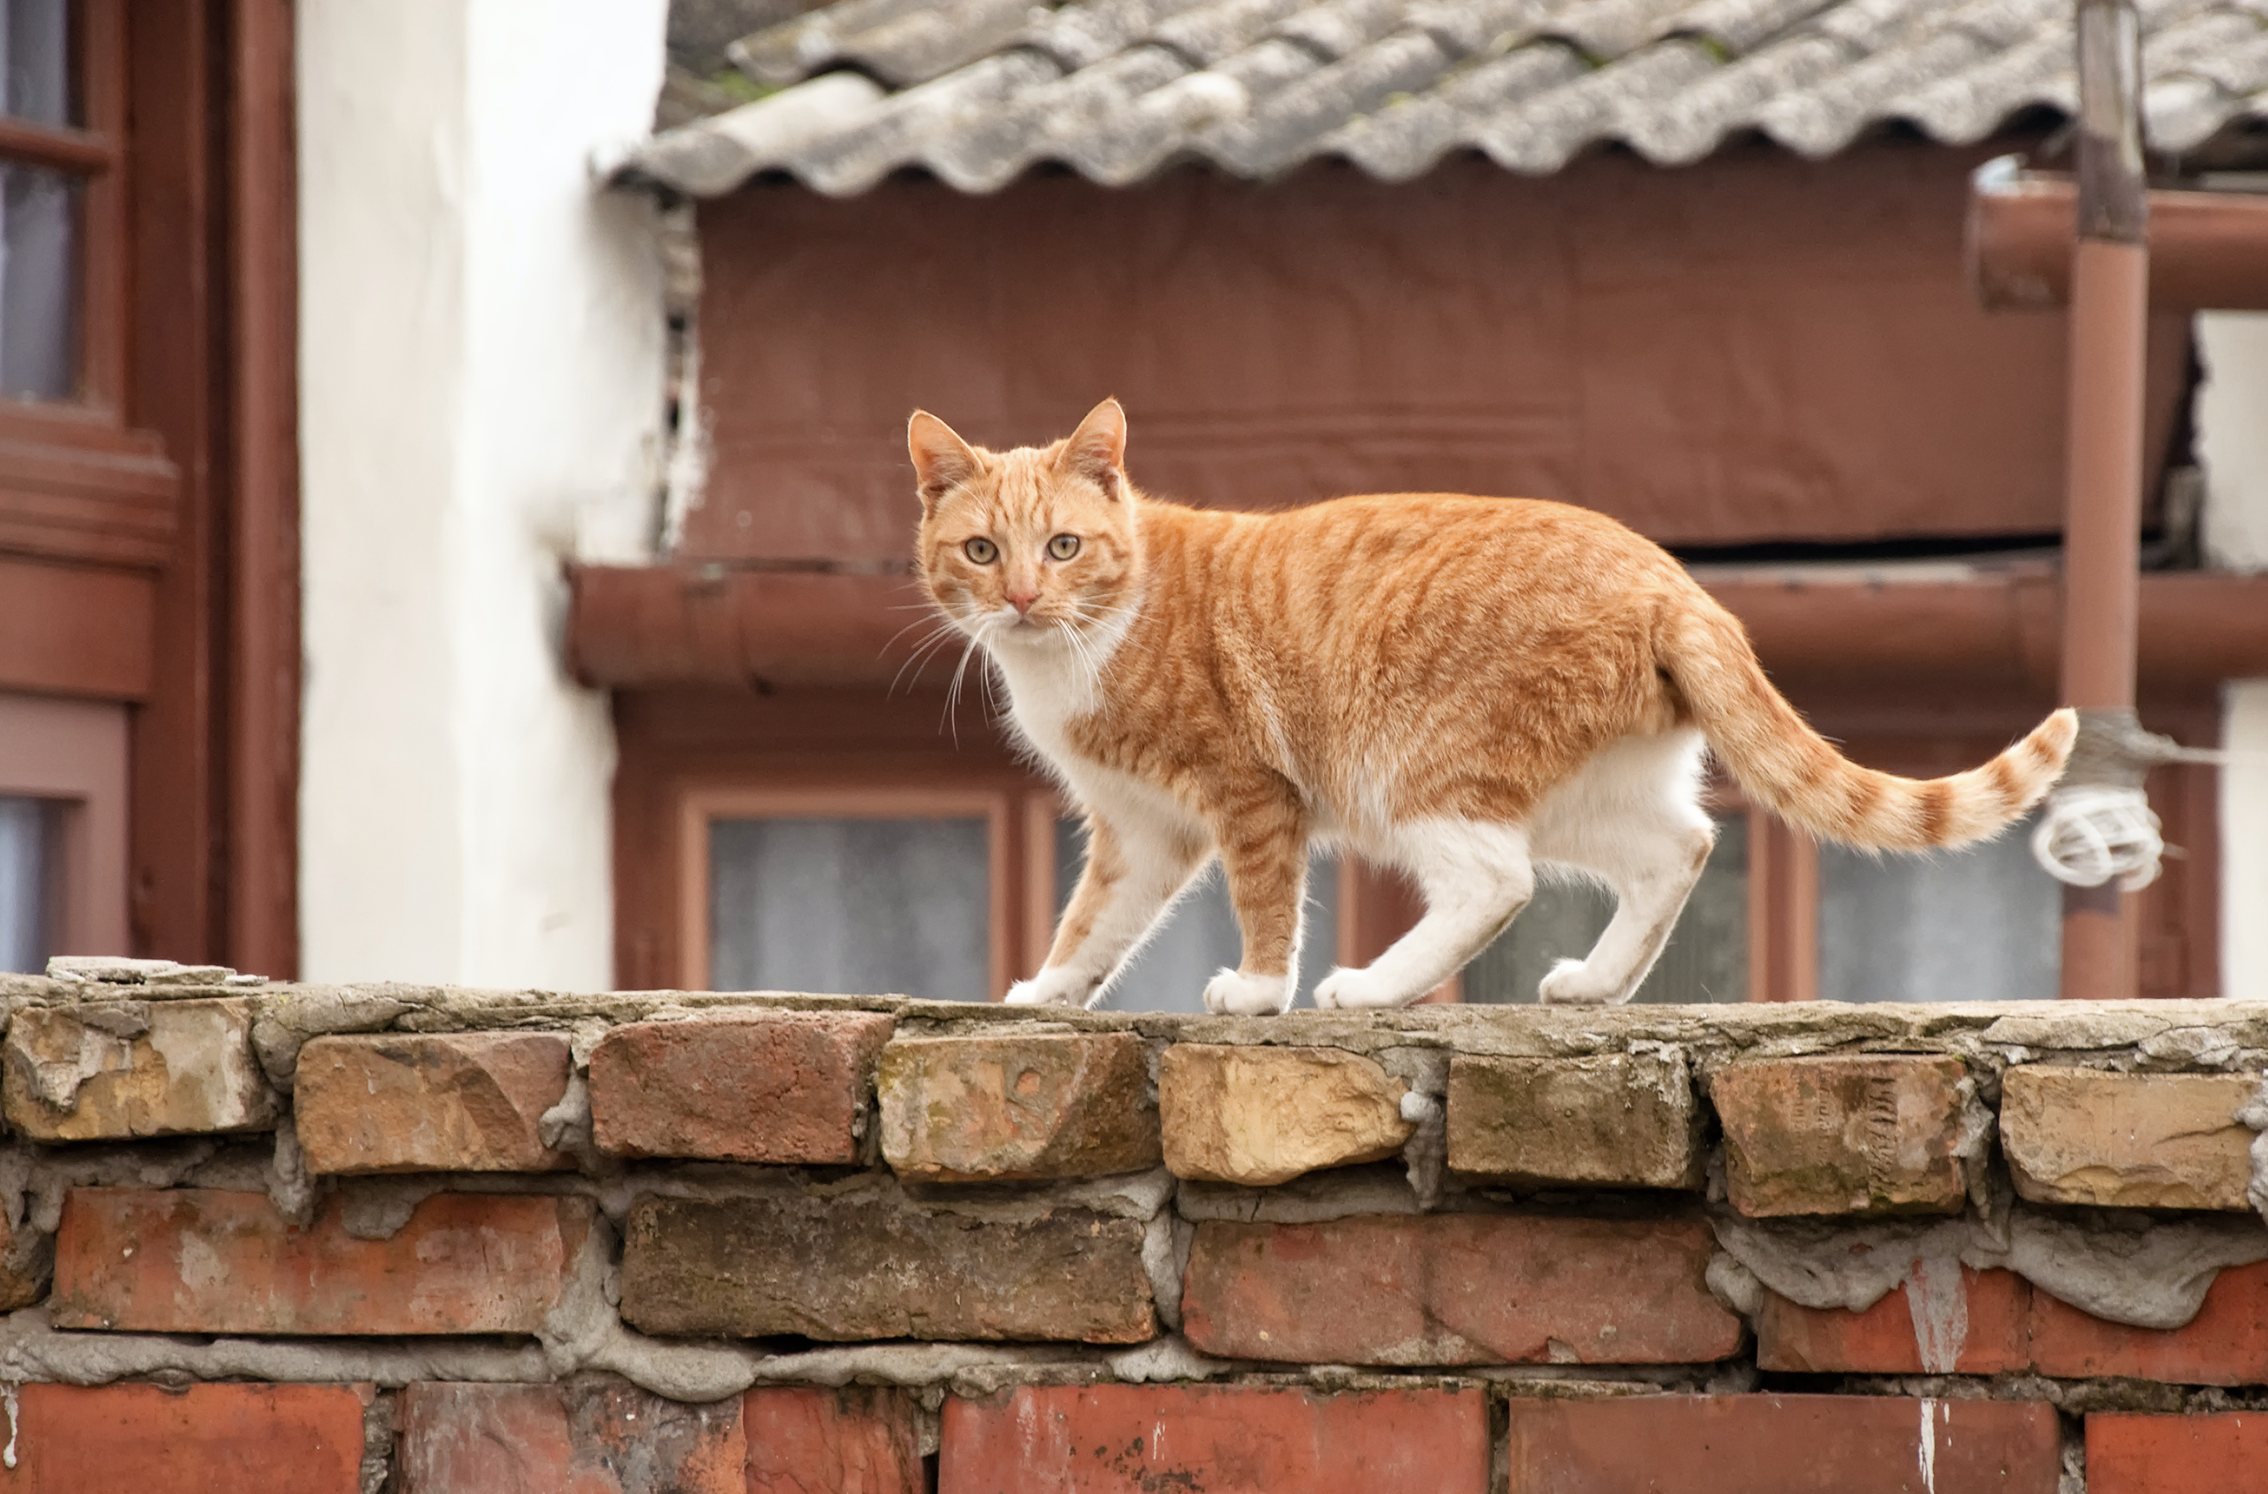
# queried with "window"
point(1985, 924)
point(882, 891)
point(820, 866)
point(59, 203)
point(29, 866)
point(62, 829)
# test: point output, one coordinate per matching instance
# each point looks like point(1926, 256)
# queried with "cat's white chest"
point(1047, 691)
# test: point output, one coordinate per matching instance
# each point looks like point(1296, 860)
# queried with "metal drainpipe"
point(2103, 493)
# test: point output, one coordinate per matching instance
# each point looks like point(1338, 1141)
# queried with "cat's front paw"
point(1355, 991)
point(1050, 988)
point(1236, 994)
point(1570, 983)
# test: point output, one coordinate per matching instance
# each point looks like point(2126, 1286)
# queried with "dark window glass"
point(1707, 957)
point(39, 275)
point(35, 62)
point(860, 907)
point(1983, 924)
point(29, 865)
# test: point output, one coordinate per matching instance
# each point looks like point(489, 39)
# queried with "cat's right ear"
point(942, 460)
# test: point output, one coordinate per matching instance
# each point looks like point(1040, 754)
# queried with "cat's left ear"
point(1097, 449)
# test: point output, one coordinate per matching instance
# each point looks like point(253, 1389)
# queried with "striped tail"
point(1796, 773)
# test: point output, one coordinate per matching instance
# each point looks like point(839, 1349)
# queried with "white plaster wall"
point(2244, 843)
point(481, 365)
point(2232, 438)
point(2232, 443)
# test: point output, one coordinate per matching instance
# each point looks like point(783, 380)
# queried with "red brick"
point(1782, 1444)
point(2129, 1453)
point(2225, 1344)
point(566, 1439)
point(197, 1260)
point(429, 1102)
point(1880, 1341)
point(205, 1439)
point(1221, 1439)
point(1457, 1289)
point(856, 1440)
point(754, 1087)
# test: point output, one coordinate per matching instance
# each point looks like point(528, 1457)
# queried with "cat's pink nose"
point(1022, 601)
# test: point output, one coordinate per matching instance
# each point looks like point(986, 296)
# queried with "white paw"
point(1237, 994)
point(1571, 984)
point(1050, 988)
point(1356, 990)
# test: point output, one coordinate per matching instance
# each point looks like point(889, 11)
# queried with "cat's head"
point(1033, 547)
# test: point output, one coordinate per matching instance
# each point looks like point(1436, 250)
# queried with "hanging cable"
point(2097, 824)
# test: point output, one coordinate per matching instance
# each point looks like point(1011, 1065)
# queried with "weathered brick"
point(1618, 1120)
point(200, 1439)
point(1261, 1116)
point(2131, 1453)
point(2225, 1344)
point(857, 1440)
point(1783, 1444)
point(1457, 1289)
point(1867, 1135)
point(863, 1268)
point(1990, 1332)
point(751, 1087)
point(1017, 1105)
point(110, 1070)
point(199, 1260)
point(1141, 1439)
point(581, 1439)
point(2142, 1141)
point(429, 1102)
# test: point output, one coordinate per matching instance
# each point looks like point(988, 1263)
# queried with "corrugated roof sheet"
point(978, 91)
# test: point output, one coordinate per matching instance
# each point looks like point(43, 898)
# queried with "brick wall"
point(420, 1240)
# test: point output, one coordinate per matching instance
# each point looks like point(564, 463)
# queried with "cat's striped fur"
point(1460, 687)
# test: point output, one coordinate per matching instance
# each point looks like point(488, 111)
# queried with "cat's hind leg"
point(1262, 831)
point(1475, 876)
point(1633, 817)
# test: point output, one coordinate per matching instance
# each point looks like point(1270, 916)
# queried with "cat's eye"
point(1063, 546)
point(981, 550)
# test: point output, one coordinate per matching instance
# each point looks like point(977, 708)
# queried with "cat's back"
point(1382, 552)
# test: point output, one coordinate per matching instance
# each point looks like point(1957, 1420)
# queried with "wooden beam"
point(646, 627)
point(2208, 250)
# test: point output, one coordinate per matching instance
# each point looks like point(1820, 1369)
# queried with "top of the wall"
point(2218, 1035)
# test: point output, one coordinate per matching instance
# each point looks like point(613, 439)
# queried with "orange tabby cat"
point(1463, 688)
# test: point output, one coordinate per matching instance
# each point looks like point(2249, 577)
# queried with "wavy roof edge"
point(977, 92)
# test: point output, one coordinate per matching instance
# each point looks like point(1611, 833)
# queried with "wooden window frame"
point(700, 806)
point(77, 483)
point(73, 753)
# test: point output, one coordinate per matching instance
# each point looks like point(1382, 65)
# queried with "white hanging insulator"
point(2089, 834)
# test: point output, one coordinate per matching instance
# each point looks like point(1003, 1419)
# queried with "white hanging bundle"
point(2090, 833)
point(2097, 825)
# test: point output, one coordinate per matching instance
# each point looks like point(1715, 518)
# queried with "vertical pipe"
point(2103, 476)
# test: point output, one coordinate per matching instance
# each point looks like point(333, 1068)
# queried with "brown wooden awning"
point(638, 627)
